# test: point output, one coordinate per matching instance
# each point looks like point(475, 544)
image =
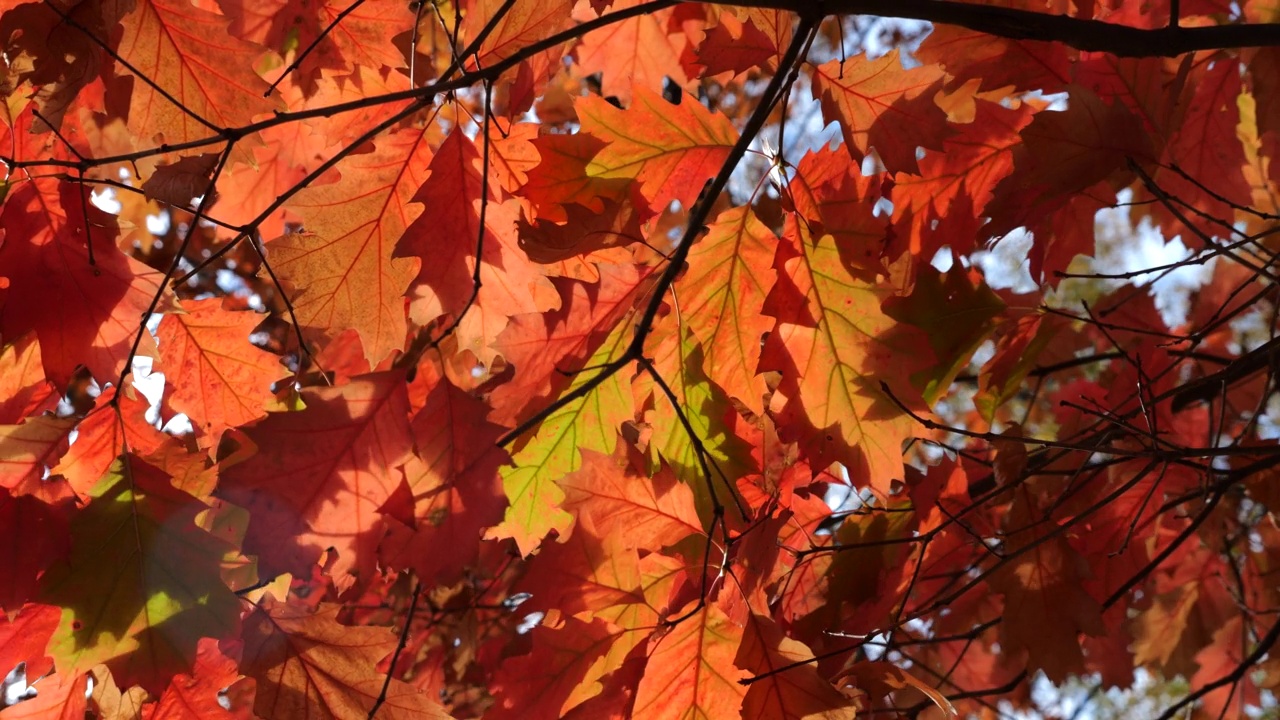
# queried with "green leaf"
point(590, 423)
point(142, 584)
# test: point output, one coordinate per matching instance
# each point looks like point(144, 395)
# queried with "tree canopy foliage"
point(608, 358)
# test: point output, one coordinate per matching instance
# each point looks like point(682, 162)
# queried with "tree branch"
point(1090, 35)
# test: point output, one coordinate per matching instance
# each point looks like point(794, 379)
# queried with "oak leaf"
point(734, 46)
point(788, 692)
point(24, 389)
point(669, 150)
point(690, 673)
point(882, 105)
point(554, 677)
point(219, 379)
point(34, 532)
point(156, 574)
point(730, 268)
point(343, 266)
point(321, 476)
point(193, 91)
point(307, 665)
point(86, 313)
point(337, 37)
point(589, 423)
point(834, 346)
point(200, 695)
point(637, 52)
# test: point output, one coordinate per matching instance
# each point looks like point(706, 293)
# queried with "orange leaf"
point(445, 238)
point(344, 36)
point(24, 390)
point(556, 675)
point(691, 673)
point(321, 475)
point(199, 696)
point(799, 692)
point(882, 105)
point(834, 346)
point(342, 268)
point(108, 429)
point(27, 451)
point(218, 378)
point(591, 574)
point(730, 273)
point(309, 666)
point(455, 488)
point(734, 46)
point(620, 503)
point(83, 314)
point(525, 22)
point(669, 150)
point(59, 696)
point(184, 50)
point(958, 182)
point(636, 53)
point(24, 637)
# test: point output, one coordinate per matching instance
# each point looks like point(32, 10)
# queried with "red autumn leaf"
point(60, 696)
point(830, 193)
point(36, 534)
point(359, 39)
point(590, 573)
point(83, 313)
point(1218, 660)
point(469, 404)
point(24, 636)
point(734, 46)
point(446, 239)
point(1046, 607)
point(959, 181)
point(1205, 146)
point(690, 672)
point(285, 155)
point(352, 228)
point(731, 267)
point(525, 23)
point(29, 450)
point(342, 456)
point(455, 489)
point(879, 104)
point(561, 179)
point(110, 428)
point(182, 49)
point(668, 150)
point(198, 696)
point(309, 666)
point(555, 676)
point(215, 378)
point(635, 53)
point(1064, 153)
point(996, 62)
point(24, 388)
point(644, 514)
point(787, 692)
point(544, 347)
point(584, 231)
point(830, 340)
